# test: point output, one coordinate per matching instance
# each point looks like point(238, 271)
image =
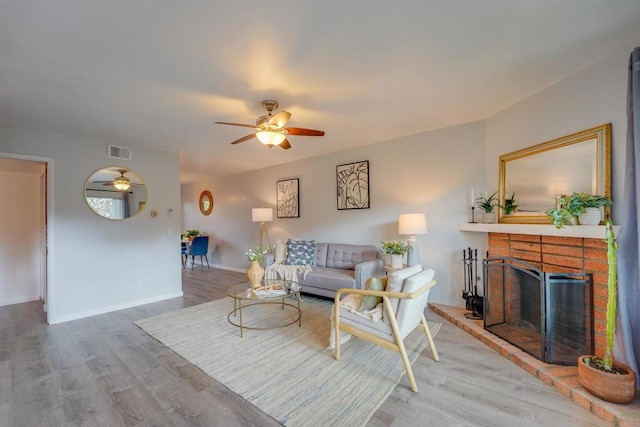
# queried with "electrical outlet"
point(138, 286)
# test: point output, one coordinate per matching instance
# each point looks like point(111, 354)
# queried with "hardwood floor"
point(104, 371)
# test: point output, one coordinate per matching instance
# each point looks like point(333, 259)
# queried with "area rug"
point(288, 373)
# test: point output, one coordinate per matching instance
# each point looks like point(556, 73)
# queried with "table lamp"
point(262, 215)
point(412, 224)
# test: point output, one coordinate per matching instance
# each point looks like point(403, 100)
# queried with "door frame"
point(48, 196)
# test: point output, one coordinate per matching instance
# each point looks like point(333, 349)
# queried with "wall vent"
point(117, 152)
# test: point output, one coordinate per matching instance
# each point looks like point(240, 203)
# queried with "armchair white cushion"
point(409, 314)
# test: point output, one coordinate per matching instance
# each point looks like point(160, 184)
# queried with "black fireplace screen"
point(548, 315)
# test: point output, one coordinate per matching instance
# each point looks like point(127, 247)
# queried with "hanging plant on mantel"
point(603, 377)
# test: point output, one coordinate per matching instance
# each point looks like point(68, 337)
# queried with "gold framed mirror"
point(538, 175)
point(206, 202)
point(115, 193)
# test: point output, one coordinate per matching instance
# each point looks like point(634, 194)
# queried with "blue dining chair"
point(199, 246)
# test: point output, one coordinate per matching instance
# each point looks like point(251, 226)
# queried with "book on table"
point(271, 291)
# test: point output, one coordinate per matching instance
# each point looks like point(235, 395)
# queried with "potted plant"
point(487, 204)
point(255, 272)
point(510, 204)
point(604, 377)
point(396, 249)
point(190, 234)
point(583, 206)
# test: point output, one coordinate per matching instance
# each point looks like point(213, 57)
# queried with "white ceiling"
point(157, 73)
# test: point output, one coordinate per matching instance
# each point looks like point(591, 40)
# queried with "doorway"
point(25, 227)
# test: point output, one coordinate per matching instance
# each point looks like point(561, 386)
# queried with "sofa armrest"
point(268, 259)
point(366, 269)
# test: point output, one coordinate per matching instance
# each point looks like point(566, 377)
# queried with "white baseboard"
point(103, 310)
point(20, 300)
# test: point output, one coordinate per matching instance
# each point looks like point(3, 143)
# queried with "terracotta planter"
point(610, 387)
point(255, 273)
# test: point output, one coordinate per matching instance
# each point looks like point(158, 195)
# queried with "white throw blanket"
point(286, 272)
point(351, 303)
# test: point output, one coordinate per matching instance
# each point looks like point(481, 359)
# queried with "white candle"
point(473, 197)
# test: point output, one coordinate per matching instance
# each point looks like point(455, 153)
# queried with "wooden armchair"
point(403, 302)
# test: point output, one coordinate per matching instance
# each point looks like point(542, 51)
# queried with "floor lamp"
point(262, 215)
point(412, 224)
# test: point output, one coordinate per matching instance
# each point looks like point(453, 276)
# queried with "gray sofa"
point(339, 266)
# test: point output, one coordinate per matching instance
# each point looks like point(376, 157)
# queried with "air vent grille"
point(117, 152)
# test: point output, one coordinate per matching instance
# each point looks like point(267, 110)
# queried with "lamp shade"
point(270, 138)
point(412, 224)
point(262, 214)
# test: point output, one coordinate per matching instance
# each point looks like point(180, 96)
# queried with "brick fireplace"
point(570, 250)
point(562, 255)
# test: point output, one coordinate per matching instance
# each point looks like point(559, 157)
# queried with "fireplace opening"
point(548, 315)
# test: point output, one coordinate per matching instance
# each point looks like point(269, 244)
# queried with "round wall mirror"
point(206, 202)
point(115, 193)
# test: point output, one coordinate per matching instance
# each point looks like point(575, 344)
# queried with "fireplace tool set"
point(470, 292)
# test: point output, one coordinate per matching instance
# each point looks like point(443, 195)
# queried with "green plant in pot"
point(190, 234)
point(510, 204)
point(396, 249)
point(487, 204)
point(603, 377)
point(583, 206)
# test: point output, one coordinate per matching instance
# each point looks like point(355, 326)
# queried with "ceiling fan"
point(121, 183)
point(271, 130)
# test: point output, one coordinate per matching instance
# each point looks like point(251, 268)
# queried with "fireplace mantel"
point(584, 231)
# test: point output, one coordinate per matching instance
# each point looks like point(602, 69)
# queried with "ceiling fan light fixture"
point(122, 183)
point(270, 138)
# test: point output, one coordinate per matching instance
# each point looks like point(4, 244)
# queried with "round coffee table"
point(244, 297)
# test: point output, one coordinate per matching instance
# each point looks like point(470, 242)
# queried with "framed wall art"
point(353, 185)
point(288, 198)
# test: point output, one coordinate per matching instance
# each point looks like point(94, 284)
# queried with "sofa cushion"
point(328, 278)
point(301, 252)
point(395, 284)
point(281, 252)
point(347, 256)
point(321, 254)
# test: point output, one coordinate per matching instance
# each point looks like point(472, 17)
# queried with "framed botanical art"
point(288, 198)
point(353, 185)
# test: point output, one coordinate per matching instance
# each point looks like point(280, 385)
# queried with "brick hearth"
point(553, 253)
point(562, 378)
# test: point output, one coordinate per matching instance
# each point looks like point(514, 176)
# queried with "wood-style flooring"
point(104, 371)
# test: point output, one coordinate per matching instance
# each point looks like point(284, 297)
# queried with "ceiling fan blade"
point(236, 124)
point(244, 138)
point(303, 131)
point(285, 144)
point(280, 119)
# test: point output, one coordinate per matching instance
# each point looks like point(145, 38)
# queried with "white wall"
point(20, 256)
point(431, 172)
point(591, 97)
point(100, 265)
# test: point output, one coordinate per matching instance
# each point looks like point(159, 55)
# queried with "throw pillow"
point(301, 252)
point(369, 302)
point(281, 252)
